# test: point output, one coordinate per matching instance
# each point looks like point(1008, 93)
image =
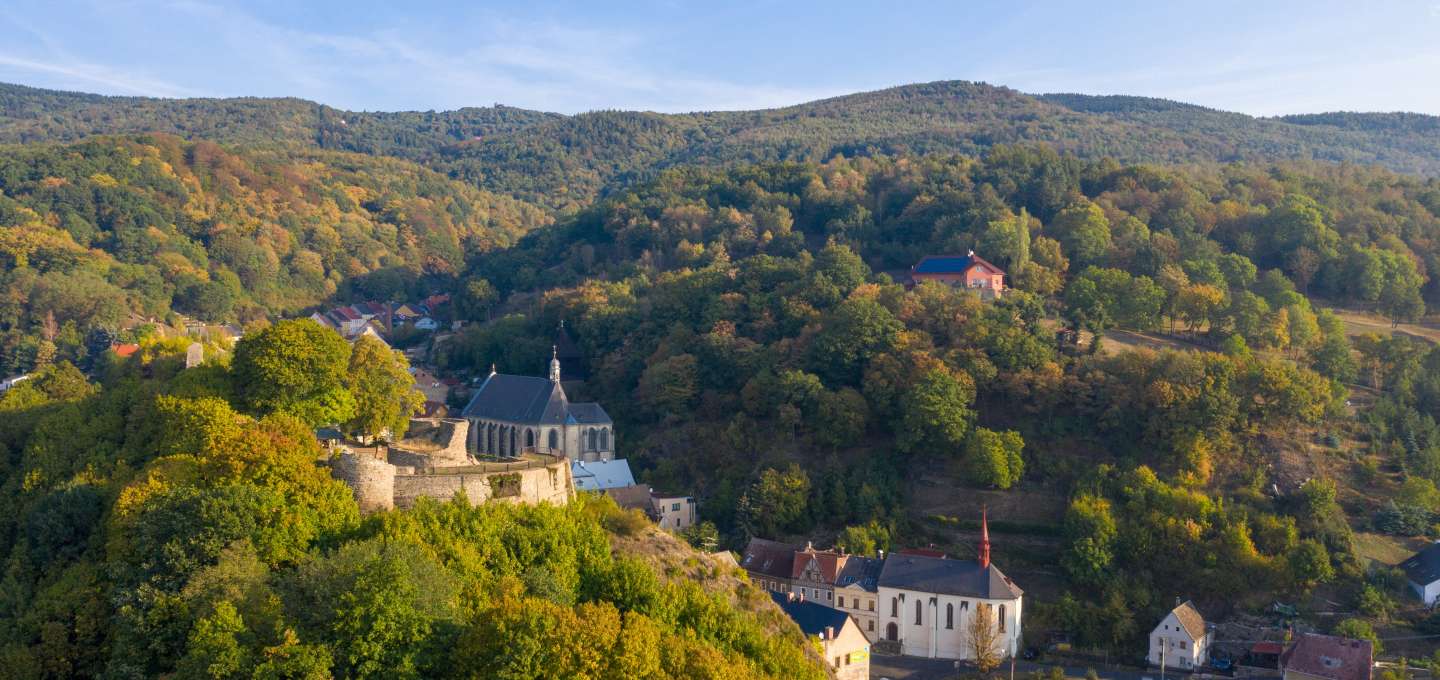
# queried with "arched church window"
point(605, 439)
point(529, 438)
point(514, 439)
point(554, 440)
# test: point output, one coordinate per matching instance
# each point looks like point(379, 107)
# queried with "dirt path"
point(1357, 323)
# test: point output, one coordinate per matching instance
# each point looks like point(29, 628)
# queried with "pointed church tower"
point(554, 365)
point(984, 540)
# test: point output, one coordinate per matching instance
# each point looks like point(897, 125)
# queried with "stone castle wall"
point(433, 442)
point(371, 480)
point(541, 484)
point(408, 476)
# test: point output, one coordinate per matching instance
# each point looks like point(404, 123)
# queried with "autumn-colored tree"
point(384, 391)
point(982, 638)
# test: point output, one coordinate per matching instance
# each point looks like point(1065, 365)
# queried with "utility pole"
point(1163, 644)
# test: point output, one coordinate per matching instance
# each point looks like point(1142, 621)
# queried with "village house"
point(1422, 570)
point(845, 648)
point(676, 513)
point(1326, 657)
point(769, 563)
point(962, 271)
point(856, 592)
point(1181, 640)
point(928, 604)
point(672, 513)
point(511, 414)
point(813, 574)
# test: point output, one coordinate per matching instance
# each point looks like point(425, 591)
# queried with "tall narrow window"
point(949, 616)
point(919, 612)
point(1001, 625)
point(894, 606)
point(605, 439)
point(554, 440)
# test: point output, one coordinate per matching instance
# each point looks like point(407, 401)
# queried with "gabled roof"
point(1423, 567)
point(588, 413)
point(1190, 619)
point(770, 558)
point(519, 399)
point(861, 572)
point(633, 496)
point(947, 577)
point(1330, 657)
point(829, 563)
point(812, 618)
point(601, 474)
point(953, 264)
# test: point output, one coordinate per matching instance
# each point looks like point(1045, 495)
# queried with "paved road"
point(912, 668)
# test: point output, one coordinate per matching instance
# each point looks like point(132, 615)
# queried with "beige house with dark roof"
point(1182, 640)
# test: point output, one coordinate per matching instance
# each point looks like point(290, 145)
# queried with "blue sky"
point(1259, 56)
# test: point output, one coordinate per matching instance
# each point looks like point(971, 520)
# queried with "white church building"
point(927, 603)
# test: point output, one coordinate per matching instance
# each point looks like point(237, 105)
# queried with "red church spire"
point(984, 540)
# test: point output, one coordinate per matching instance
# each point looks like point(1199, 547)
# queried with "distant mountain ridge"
point(565, 161)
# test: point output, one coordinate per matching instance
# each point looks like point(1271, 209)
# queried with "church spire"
point(554, 364)
point(984, 540)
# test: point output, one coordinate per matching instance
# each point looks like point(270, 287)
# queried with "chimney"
point(829, 632)
point(984, 539)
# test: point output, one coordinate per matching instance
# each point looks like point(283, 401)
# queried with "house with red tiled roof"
point(1327, 657)
point(813, 573)
point(962, 271)
point(126, 349)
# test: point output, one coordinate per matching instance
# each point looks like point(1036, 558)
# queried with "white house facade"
point(1181, 640)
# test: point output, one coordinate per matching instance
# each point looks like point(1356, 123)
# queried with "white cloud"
point(95, 75)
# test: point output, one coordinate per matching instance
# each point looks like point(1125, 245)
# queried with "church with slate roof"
point(513, 414)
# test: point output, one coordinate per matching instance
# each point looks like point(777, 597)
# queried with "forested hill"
point(29, 114)
point(564, 162)
point(94, 231)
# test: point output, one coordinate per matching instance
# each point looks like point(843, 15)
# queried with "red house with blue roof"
point(969, 271)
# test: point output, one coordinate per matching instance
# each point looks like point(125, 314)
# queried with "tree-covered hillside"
point(170, 522)
point(95, 231)
point(737, 325)
point(563, 162)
